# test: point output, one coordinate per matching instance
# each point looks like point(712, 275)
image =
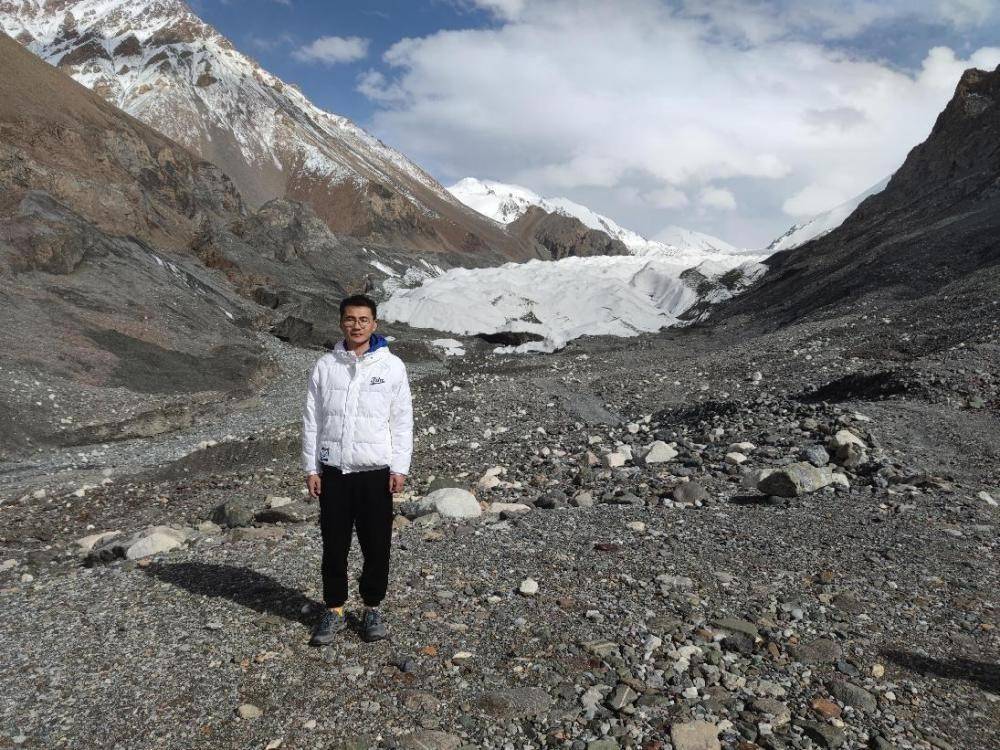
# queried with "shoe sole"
point(372, 639)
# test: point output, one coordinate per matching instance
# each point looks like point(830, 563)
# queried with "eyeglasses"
point(350, 320)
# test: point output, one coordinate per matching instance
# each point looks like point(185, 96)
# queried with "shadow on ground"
point(246, 587)
point(984, 674)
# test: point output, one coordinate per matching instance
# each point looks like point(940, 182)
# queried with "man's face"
point(357, 324)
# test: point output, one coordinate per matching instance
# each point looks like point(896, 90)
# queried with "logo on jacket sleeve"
point(324, 453)
point(376, 380)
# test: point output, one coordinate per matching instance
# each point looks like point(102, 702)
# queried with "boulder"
point(152, 544)
point(450, 502)
point(658, 452)
point(232, 514)
point(87, 543)
point(689, 492)
point(795, 479)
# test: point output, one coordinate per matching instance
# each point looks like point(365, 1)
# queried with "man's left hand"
point(396, 483)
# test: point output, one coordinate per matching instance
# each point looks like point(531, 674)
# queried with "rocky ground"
point(694, 539)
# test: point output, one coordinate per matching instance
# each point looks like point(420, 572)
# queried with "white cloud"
point(666, 197)
point(500, 8)
point(333, 50)
point(652, 105)
point(715, 197)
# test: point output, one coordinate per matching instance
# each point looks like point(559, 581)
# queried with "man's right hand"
point(313, 482)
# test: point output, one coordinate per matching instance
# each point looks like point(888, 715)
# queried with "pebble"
point(528, 587)
point(249, 711)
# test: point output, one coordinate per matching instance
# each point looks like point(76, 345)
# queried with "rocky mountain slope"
point(817, 226)
point(564, 236)
point(134, 273)
point(158, 61)
point(929, 237)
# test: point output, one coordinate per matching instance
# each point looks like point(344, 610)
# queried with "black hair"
point(358, 300)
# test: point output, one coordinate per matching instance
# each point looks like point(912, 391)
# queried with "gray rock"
point(689, 492)
point(816, 455)
point(795, 479)
point(853, 695)
point(819, 651)
point(734, 625)
point(515, 703)
point(658, 452)
point(441, 483)
point(528, 587)
point(621, 697)
point(823, 734)
point(695, 735)
point(87, 543)
point(780, 713)
point(293, 512)
point(451, 502)
point(249, 711)
point(583, 499)
point(152, 544)
point(232, 515)
point(209, 528)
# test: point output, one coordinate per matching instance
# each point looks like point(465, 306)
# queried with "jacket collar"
point(378, 347)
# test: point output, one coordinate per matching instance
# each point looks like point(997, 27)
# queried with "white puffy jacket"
point(357, 413)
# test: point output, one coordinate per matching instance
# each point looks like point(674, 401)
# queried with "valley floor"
point(675, 603)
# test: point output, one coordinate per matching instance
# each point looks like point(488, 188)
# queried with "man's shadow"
point(986, 675)
point(244, 586)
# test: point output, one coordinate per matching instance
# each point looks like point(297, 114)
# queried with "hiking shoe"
point(372, 627)
point(328, 628)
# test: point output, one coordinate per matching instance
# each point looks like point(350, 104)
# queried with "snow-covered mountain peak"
point(506, 203)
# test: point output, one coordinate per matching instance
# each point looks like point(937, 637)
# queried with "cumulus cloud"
point(333, 49)
point(720, 198)
point(659, 102)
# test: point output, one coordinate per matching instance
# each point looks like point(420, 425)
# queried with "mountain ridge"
point(158, 61)
point(505, 203)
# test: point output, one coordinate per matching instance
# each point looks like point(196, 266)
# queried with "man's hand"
point(396, 483)
point(314, 483)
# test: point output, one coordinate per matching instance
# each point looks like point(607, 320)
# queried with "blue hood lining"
point(374, 342)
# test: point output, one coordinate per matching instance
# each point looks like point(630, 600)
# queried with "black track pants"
point(358, 500)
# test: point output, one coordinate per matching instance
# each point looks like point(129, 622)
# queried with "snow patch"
point(452, 347)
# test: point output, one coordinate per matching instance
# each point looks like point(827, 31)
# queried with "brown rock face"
point(564, 236)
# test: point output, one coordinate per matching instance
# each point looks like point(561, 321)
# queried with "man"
point(357, 439)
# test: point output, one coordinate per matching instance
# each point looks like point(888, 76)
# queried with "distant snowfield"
point(559, 300)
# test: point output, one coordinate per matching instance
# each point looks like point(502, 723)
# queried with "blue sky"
point(271, 30)
point(732, 117)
